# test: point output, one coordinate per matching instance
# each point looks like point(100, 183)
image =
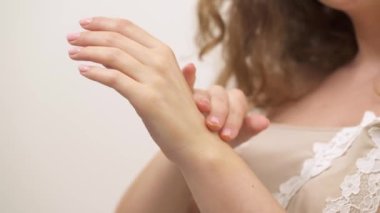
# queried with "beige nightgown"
point(312, 170)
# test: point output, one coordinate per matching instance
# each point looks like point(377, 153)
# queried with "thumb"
point(253, 124)
point(189, 73)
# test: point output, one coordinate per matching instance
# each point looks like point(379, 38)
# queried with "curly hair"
point(268, 46)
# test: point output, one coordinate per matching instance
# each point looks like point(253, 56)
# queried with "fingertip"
point(83, 69)
point(213, 123)
point(257, 122)
point(189, 68)
point(74, 50)
point(193, 67)
point(203, 105)
point(265, 122)
point(227, 134)
point(86, 21)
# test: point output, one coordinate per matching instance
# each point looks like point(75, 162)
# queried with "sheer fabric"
point(319, 170)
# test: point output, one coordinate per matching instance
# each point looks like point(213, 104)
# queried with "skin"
point(350, 90)
point(229, 108)
point(144, 70)
point(197, 156)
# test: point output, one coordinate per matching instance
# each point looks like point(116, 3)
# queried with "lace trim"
point(361, 191)
point(324, 154)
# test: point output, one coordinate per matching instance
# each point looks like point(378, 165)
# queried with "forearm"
point(221, 182)
point(160, 188)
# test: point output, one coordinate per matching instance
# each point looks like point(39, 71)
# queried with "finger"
point(111, 78)
point(124, 27)
point(219, 108)
point(236, 114)
point(189, 74)
point(110, 57)
point(109, 39)
point(202, 100)
point(253, 124)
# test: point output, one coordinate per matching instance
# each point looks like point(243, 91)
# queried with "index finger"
point(122, 26)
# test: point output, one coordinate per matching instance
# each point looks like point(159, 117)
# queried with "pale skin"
point(200, 162)
point(144, 70)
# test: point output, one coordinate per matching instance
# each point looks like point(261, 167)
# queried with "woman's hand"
point(145, 71)
point(226, 111)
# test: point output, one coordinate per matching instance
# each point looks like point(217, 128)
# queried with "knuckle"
point(158, 82)
point(113, 79)
point(164, 48)
point(123, 24)
point(155, 98)
point(239, 95)
point(216, 88)
point(219, 94)
point(157, 60)
point(165, 51)
point(235, 111)
point(222, 110)
point(223, 101)
point(113, 55)
point(225, 110)
point(161, 57)
point(110, 39)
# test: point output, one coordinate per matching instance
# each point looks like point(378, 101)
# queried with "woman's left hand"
point(145, 71)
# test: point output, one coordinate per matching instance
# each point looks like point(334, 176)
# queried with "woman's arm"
point(160, 188)
point(144, 70)
point(222, 183)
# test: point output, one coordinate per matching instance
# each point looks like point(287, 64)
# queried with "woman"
point(303, 63)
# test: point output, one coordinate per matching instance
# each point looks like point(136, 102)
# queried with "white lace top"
point(319, 170)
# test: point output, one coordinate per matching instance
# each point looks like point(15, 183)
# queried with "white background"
point(68, 144)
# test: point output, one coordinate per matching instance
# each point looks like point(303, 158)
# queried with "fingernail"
point(204, 102)
point(83, 68)
point(74, 50)
point(85, 21)
point(227, 133)
point(214, 121)
point(73, 36)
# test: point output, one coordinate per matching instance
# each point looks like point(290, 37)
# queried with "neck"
point(367, 33)
point(363, 72)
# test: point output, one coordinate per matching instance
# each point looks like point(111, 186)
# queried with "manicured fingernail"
point(74, 50)
point(73, 36)
point(205, 103)
point(83, 68)
point(228, 133)
point(85, 21)
point(214, 121)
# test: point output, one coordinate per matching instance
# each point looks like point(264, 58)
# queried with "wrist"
point(202, 148)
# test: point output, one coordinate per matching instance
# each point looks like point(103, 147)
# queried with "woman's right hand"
point(226, 111)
